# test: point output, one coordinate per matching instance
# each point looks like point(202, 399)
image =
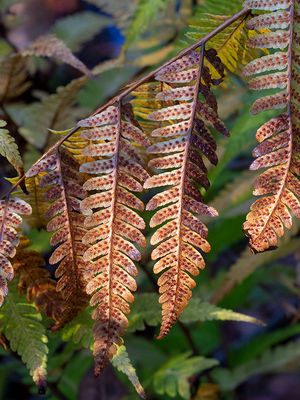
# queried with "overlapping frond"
point(50, 46)
point(13, 77)
point(53, 112)
point(64, 194)
point(278, 150)
point(34, 280)
point(11, 210)
point(184, 137)
point(112, 221)
point(231, 43)
point(22, 325)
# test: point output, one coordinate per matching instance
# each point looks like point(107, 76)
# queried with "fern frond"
point(183, 129)
point(112, 221)
point(22, 325)
point(9, 149)
point(231, 43)
point(11, 210)
point(278, 151)
point(34, 280)
point(53, 112)
point(13, 77)
point(122, 363)
point(50, 46)
point(64, 193)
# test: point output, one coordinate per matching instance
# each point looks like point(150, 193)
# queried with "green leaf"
point(146, 310)
point(53, 112)
point(22, 324)
point(172, 377)
point(123, 364)
point(76, 29)
point(199, 310)
point(9, 148)
point(269, 361)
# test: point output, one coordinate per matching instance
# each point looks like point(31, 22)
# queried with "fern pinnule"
point(113, 225)
point(278, 186)
point(64, 193)
point(11, 209)
point(183, 129)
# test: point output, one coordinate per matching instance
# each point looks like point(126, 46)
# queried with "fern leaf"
point(34, 280)
point(13, 77)
point(172, 377)
point(246, 265)
point(278, 186)
point(64, 193)
point(10, 220)
point(122, 362)
point(50, 46)
point(269, 361)
point(53, 112)
point(145, 310)
point(112, 221)
point(183, 130)
point(22, 325)
point(9, 149)
point(231, 43)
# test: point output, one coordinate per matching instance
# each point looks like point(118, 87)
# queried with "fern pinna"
point(185, 137)
point(64, 193)
point(11, 209)
point(279, 185)
point(112, 221)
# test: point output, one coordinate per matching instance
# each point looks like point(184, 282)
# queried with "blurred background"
point(208, 355)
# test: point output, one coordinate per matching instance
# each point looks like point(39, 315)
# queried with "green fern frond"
point(80, 330)
point(271, 360)
point(22, 325)
point(172, 378)
point(9, 148)
point(53, 112)
point(247, 264)
point(122, 363)
point(146, 310)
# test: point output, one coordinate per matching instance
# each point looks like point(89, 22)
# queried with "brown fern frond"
point(112, 221)
point(278, 152)
point(183, 128)
point(51, 46)
point(35, 281)
point(13, 77)
point(11, 210)
point(64, 193)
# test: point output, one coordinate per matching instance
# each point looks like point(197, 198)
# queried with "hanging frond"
point(9, 149)
point(112, 221)
point(50, 46)
point(278, 152)
point(11, 210)
point(22, 325)
point(183, 129)
point(64, 193)
point(34, 280)
point(231, 44)
point(13, 77)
